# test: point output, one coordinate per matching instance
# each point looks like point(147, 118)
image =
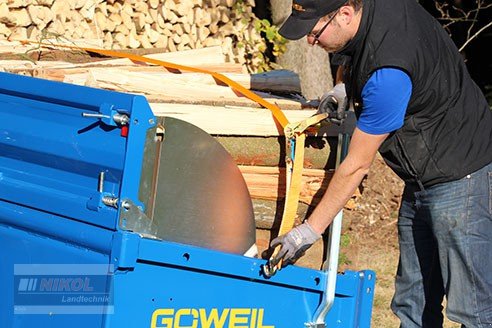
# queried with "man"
point(415, 103)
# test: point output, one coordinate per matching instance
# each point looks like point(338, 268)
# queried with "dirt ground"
point(369, 240)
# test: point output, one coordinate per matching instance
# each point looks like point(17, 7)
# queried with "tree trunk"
point(311, 63)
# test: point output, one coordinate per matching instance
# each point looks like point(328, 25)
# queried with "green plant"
point(272, 36)
point(344, 240)
point(343, 258)
point(261, 51)
point(45, 38)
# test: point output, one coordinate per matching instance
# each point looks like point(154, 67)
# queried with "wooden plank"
point(274, 80)
point(18, 47)
point(243, 121)
point(284, 103)
point(194, 57)
point(19, 66)
point(58, 70)
point(171, 89)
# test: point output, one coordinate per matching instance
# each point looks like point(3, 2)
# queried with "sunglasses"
point(317, 35)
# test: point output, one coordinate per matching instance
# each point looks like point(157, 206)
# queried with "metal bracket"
point(314, 325)
point(132, 218)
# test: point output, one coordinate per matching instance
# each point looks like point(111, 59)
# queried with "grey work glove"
point(294, 243)
point(334, 103)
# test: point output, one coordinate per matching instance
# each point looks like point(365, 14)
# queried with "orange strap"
point(276, 111)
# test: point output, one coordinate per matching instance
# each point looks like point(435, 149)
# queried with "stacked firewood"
point(172, 25)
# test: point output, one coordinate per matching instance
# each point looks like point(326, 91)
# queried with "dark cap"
point(305, 15)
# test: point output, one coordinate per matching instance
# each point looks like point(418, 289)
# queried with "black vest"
point(447, 131)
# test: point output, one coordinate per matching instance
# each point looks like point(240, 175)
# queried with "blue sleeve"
point(385, 99)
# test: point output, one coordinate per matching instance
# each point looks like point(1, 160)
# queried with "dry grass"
point(373, 239)
point(383, 258)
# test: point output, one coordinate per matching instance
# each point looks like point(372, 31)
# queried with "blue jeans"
point(445, 237)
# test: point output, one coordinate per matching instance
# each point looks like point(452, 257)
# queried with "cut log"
point(154, 4)
point(18, 18)
point(5, 15)
point(4, 30)
point(269, 183)
point(270, 151)
point(268, 213)
point(266, 186)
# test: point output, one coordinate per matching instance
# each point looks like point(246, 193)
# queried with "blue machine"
point(77, 246)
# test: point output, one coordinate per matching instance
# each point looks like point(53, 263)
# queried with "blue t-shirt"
point(385, 97)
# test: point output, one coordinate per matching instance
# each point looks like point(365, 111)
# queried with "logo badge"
point(298, 7)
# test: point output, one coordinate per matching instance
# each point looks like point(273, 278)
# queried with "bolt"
point(110, 201)
point(125, 204)
point(121, 119)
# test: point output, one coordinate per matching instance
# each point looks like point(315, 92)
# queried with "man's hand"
point(294, 243)
point(334, 103)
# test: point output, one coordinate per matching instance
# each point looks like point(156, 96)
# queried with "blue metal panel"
point(174, 276)
point(196, 258)
point(22, 247)
point(353, 300)
point(56, 227)
point(160, 279)
point(170, 280)
point(51, 156)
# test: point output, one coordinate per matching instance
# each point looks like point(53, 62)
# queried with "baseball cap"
point(305, 15)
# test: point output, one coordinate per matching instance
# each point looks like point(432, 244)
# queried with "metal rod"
point(100, 186)
point(96, 115)
point(333, 246)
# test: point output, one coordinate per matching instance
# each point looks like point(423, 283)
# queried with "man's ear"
point(346, 15)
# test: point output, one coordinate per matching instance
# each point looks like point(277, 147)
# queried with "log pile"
point(247, 131)
point(170, 25)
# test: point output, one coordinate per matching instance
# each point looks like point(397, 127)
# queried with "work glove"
point(294, 243)
point(334, 103)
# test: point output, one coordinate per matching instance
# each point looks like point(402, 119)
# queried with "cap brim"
point(295, 28)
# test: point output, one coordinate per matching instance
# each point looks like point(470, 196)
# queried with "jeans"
point(445, 238)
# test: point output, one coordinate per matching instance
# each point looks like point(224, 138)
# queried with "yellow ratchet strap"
point(296, 132)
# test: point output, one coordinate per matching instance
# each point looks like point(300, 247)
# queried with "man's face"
point(329, 34)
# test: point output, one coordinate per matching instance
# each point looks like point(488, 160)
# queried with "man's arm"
point(385, 96)
point(362, 151)
point(348, 176)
